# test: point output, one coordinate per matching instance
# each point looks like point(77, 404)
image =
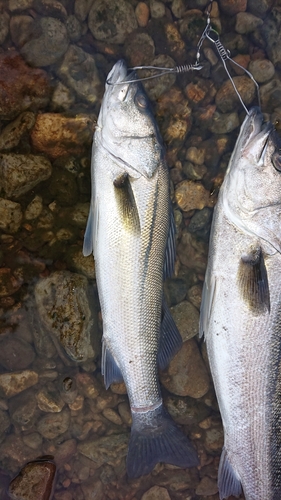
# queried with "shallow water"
point(54, 58)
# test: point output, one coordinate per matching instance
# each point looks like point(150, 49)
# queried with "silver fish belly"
point(240, 314)
point(131, 233)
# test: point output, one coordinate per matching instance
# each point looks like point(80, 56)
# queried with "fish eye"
point(123, 93)
point(276, 160)
point(140, 101)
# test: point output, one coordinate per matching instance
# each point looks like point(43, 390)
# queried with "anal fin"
point(170, 338)
point(228, 482)
point(109, 368)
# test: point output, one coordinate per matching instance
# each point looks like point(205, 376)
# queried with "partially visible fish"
point(131, 233)
point(241, 313)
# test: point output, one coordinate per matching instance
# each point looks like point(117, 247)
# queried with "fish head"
point(126, 123)
point(252, 188)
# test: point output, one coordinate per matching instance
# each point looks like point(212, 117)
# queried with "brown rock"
point(186, 318)
point(187, 374)
point(243, 60)
point(9, 284)
point(57, 135)
point(20, 86)
point(53, 424)
point(207, 487)
point(156, 493)
point(227, 99)
point(232, 7)
point(12, 133)
point(16, 382)
point(87, 385)
point(192, 252)
point(35, 480)
point(10, 216)
point(15, 353)
point(142, 14)
point(15, 452)
point(190, 195)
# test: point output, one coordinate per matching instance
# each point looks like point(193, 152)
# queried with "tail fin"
point(156, 438)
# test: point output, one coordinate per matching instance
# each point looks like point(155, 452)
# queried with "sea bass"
point(131, 232)
point(241, 313)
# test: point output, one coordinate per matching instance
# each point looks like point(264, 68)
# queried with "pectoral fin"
point(126, 203)
point(253, 282)
point(109, 368)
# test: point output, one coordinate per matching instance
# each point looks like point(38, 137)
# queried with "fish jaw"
point(156, 438)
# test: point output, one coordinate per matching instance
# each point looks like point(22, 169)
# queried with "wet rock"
point(4, 424)
point(49, 46)
point(270, 31)
point(9, 283)
point(15, 353)
point(34, 208)
point(163, 84)
point(65, 312)
point(226, 98)
point(20, 5)
point(177, 129)
point(80, 264)
point(192, 252)
point(207, 487)
point(78, 70)
point(190, 195)
point(186, 318)
point(156, 493)
point(186, 411)
point(16, 382)
point(259, 8)
point(68, 389)
point(125, 413)
point(23, 410)
point(64, 451)
point(57, 135)
point(63, 187)
point(195, 155)
point(270, 94)
point(53, 425)
point(43, 344)
point(214, 439)
point(51, 8)
point(175, 290)
point(232, 7)
point(106, 449)
point(21, 87)
point(21, 28)
point(140, 49)
point(224, 123)
point(74, 28)
point(90, 486)
point(35, 480)
point(246, 22)
point(14, 453)
point(142, 14)
point(12, 133)
point(33, 440)
point(4, 25)
point(87, 385)
point(112, 22)
point(186, 374)
point(194, 172)
point(112, 416)
point(200, 220)
point(49, 400)
point(157, 9)
point(20, 173)
point(262, 70)
point(195, 295)
point(82, 8)
point(62, 98)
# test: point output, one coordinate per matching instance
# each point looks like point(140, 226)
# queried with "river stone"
point(35, 480)
point(33, 440)
point(186, 410)
point(74, 28)
point(224, 123)
point(16, 382)
point(192, 252)
point(4, 25)
point(4, 423)
point(9, 284)
point(207, 487)
point(227, 99)
point(112, 22)
point(62, 98)
point(34, 208)
point(53, 425)
point(64, 310)
point(51, 8)
point(15, 353)
point(14, 453)
point(78, 70)
point(195, 295)
point(49, 400)
point(175, 290)
point(23, 410)
point(20, 86)
point(10, 216)
point(140, 49)
point(190, 195)
point(158, 86)
point(246, 22)
point(156, 493)
point(187, 374)
point(232, 7)
point(82, 8)
point(51, 44)
point(20, 5)
point(108, 449)
point(262, 70)
point(21, 173)
point(58, 136)
point(186, 318)
point(13, 132)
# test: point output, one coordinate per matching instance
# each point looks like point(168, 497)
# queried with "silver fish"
point(131, 233)
point(241, 313)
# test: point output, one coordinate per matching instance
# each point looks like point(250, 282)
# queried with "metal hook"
point(161, 71)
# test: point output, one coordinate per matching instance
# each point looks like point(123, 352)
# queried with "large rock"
point(111, 21)
point(35, 480)
point(20, 173)
point(106, 449)
point(15, 353)
point(16, 382)
point(21, 87)
point(66, 312)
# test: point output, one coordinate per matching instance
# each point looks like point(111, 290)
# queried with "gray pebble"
point(262, 70)
point(224, 123)
point(112, 22)
point(53, 425)
point(15, 353)
point(247, 22)
point(186, 317)
point(108, 449)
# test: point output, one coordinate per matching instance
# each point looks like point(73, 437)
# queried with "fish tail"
point(156, 438)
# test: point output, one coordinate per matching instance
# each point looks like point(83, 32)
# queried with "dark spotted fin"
point(156, 438)
point(170, 256)
point(109, 368)
point(228, 482)
point(253, 282)
point(126, 203)
point(170, 338)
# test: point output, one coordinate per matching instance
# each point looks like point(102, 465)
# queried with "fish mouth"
point(118, 73)
point(254, 136)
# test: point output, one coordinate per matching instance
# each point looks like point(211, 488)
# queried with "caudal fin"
point(156, 438)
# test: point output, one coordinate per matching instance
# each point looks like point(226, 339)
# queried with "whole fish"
point(241, 313)
point(131, 232)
